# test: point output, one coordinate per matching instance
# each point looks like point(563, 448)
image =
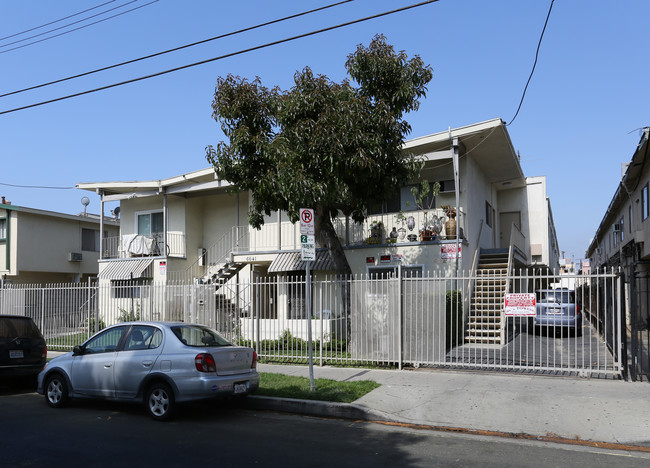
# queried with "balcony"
point(135, 245)
point(407, 229)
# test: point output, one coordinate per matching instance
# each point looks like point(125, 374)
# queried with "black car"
point(22, 349)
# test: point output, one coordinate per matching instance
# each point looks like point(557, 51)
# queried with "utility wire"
point(37, 186)
point(177, 48)
point(75, 29)
point(232, 54)
point(534, 64)
point(55, 21)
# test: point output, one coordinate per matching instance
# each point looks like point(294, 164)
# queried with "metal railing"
point(376, 229)
point(131, 245)
point(361, 320)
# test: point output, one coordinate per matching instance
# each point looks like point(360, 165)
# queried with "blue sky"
point(577, 125)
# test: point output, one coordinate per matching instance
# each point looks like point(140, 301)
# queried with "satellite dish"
point(85, 201)
point(116, 212)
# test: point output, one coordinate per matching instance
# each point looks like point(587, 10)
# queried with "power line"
point(75, 29)
point(177, 48)
point(55, 21)
point(534, 64)
point(232, 54)
point(37, 186)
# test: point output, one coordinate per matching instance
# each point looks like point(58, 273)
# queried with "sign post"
point(308, 254)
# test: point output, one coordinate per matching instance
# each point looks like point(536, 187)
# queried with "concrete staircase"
point(485, 323)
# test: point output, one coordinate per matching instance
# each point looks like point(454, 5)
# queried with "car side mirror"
point(77, 350)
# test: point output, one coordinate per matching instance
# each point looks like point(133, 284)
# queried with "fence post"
point(621, 345)
point(42, 321)
point(322, 323)
point(400, 315)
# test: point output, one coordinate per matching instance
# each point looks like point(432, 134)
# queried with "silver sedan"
point(157, 363)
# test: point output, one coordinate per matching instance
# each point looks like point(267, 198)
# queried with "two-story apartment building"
point(621, 238)
point(186, 219)
point(622, 242)
point(193, 228)
point(38, 246)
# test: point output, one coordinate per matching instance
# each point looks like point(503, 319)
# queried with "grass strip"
point(289, 386)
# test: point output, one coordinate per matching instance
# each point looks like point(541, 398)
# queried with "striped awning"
point(127, 269)
point(291, 261)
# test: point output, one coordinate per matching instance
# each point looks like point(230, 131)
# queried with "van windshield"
point(559, 297)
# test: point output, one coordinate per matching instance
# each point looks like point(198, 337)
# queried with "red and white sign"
point(307, 221)
point(520, 305)
point(163, 268)
point(449, 252)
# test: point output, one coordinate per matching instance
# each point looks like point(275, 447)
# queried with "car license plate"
point(240, 388)
point(16, 353)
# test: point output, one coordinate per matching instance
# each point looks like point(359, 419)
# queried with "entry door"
point(506, 220)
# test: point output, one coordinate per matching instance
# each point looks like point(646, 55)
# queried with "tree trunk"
point(327, 235)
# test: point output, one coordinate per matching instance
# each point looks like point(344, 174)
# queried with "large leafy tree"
point(329, 146)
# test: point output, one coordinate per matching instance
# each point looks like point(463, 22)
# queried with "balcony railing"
point(135, 245)
point(410, 228)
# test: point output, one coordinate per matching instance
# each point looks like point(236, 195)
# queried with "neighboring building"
point(191, 228)
point(38, 246)
point(621, 237)
point(622, 242)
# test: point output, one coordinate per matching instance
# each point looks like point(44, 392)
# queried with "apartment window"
point(3, 228)
point(622, 229)
point(387, 272)
point(90, 240)
point(128, 289)
point(150, 223)
point(489, 214)
point(404, 200)
point(629, 219)
point(644, 204)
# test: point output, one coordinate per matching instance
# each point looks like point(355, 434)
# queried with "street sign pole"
point(308, 254)
point(310, 347)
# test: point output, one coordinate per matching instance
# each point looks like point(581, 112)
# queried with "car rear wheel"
point(160, 402)
point(56, 391)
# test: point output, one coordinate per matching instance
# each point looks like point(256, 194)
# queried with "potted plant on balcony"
point(450, 225)
point(425, 198)
point(376, 230)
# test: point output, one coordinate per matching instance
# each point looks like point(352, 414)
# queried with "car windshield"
point(196, 335)
point(559, 297)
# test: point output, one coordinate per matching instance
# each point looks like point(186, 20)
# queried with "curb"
point(326, 409)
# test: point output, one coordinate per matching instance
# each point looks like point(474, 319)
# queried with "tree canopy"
point(329, 146)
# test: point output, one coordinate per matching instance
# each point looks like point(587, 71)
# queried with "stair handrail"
point(509, 278)
point(472, 279)
point(217, 253)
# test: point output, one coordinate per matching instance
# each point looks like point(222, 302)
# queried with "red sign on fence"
point(520, 305)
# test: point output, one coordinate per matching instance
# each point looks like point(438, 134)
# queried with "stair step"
point(483, 340)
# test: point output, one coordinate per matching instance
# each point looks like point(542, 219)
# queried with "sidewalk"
point(609, 411)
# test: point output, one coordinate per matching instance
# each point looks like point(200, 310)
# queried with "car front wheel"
point(160, 401)
point(56, 391)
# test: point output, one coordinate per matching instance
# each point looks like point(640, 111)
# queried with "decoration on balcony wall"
point(410, 223)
